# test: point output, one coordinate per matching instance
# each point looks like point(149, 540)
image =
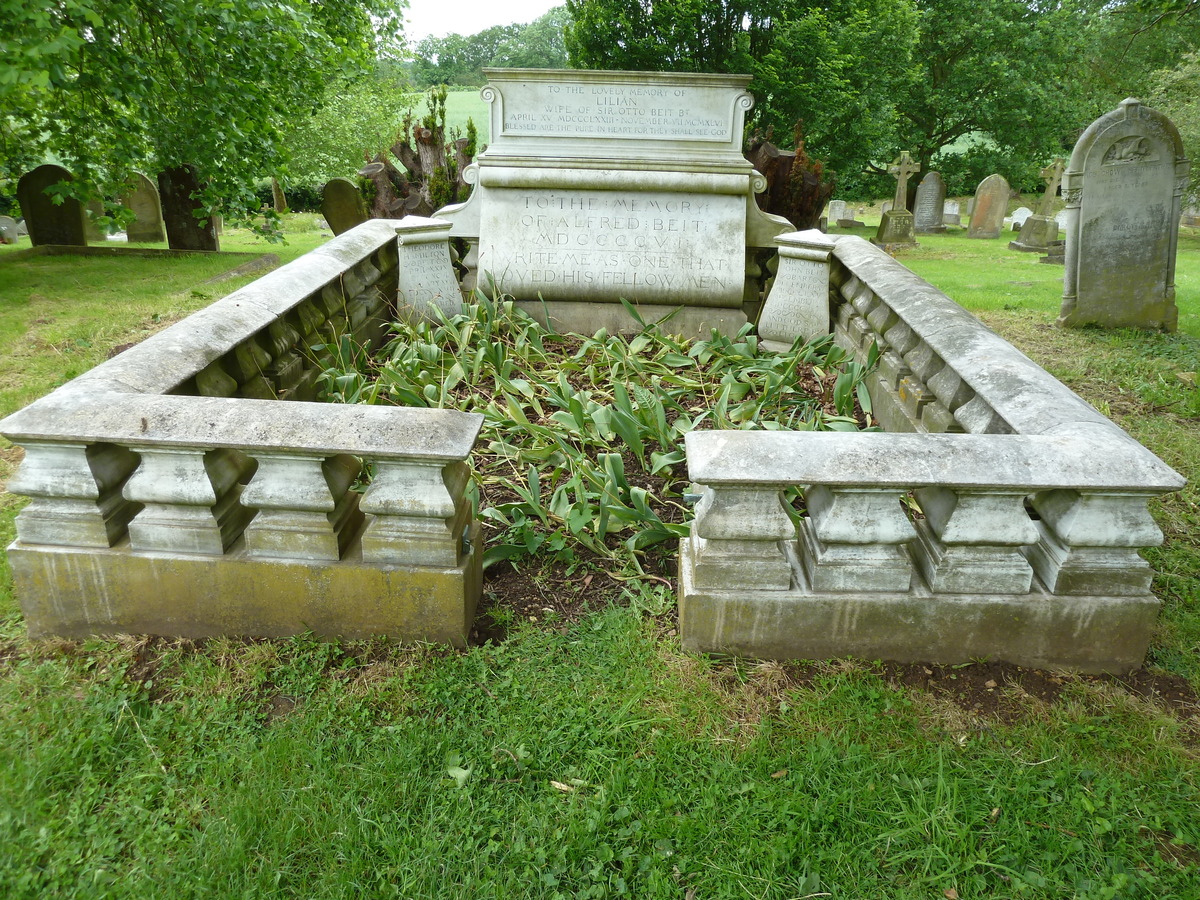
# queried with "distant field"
point(463, 105)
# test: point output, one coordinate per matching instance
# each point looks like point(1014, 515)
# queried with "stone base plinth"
point(74, 593)
point(1092, 633)
point(1037, 234)
point(895, 230)
point(582, 317)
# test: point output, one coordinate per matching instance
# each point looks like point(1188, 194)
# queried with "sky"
point(440, 17)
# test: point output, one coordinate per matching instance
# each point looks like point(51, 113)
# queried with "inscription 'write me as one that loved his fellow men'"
point(577, 242)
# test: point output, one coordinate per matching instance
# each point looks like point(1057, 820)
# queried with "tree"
point(108, 86)
point(1173, 92)
point(456, 59)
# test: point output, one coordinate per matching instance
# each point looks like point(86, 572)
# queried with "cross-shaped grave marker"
point(902, 167)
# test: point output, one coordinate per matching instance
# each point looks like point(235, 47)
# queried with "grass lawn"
point(581, 753)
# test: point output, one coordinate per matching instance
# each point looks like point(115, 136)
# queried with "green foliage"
point(109, 86)
point(568, 447)
point(1173, 92)
point(456, 59)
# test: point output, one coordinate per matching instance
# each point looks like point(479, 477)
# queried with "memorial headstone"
point(179, 189)
point(1039, 229)
point(836, 210)
point(426, 272)
point(798, 302)
point(8, 230)
point(1124, 189)
point(929, 206)
point(951, 214)
point(601, 186)
point(991, 203)
point(50, 222)
point(896, 226)
point(1020, 214)
point(342, 204)
point(147, 224)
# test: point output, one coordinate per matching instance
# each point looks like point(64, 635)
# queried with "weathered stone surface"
point(798, 304)
point(991, 205)
point(426, 274)
point(49, 222)
point(896, 226)
point(1123, 188)
point(342, 204)
point(836, 210)
point(178, 189)
point(951, 214)
point(587, 318)
point(602, 186)
point(929, 206)
point(147, 224)
point(8, 230)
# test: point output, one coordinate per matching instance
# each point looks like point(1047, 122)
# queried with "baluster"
point(191, 499)
point(419, 513)
point(852, 539)
point(1089, 542)
point(735, 539)
point(306, 509)
point(968, 541)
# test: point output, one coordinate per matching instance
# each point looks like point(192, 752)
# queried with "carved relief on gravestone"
point(896, 226)
point(342, 204)
point(147, 224)
point(929, 206)
point(426, 273)
point(1039, 230)
point(599, 186)
point(991, 205)
point(50, 222)
point(179, 189)
point(1124, 189)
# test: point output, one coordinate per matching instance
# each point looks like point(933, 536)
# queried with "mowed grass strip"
point(591, 757)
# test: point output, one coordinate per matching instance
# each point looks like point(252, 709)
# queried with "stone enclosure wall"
point(174, 493)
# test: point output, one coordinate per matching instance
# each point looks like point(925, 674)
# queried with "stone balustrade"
point(999, 515)
point(172, 493)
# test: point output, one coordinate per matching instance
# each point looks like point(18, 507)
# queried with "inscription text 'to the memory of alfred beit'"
point(654, 246)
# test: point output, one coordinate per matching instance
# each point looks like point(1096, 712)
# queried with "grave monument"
point(1124, 188)
point(8, 230)
point(50, 222)
point(929, 207)
point(147, 224)
point(896, 226)
point(179, 188)
point(798, 302)
point(951, 214)
point(342, 204)
point(601, 186)
point(1039, 229)
point(991, 203)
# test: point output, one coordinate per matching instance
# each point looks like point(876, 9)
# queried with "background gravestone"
point(147, 224)
point(342, 204)
point(177, 187)
point(929, 206)
point(951, 214)
point(1124, 189)
point(1041, 229)
point(896, 226)
point(991, 203)
point(8, 230)
point(50, 222)
point(836, 210)
point(93, 209)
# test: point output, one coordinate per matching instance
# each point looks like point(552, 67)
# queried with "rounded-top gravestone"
point(991, 204)
point(929, 206)
point(342, 204)
point(147, 224)
point(50, 222)
point(8, 230)
point(1124, 189)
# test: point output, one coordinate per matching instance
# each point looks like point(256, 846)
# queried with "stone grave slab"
point(929, 206)
point(1018, 217)
point(798, 303)
point(342, 204)
point(951, 214)
point(991, 204)
point(147, 224)
point(1124, 189)
point(836, 210)
point(601, 186)
point(426, 272)
point(8, 230)
point(177, 187)
point(49, 222)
